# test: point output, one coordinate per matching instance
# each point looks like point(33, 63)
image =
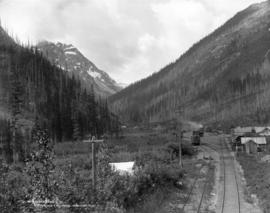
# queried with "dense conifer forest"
point(35, 92)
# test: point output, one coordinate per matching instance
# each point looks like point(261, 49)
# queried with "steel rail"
point(193, 186)
point(224, 176)
point(204, 189)
point(236, 182)
point(191, 190)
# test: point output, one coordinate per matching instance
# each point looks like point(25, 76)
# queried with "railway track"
point(187, 199)
point(224, 176)
point(229, 178)
point(199, 210)
point(194, 184)
point(228, 168)
point(212, 146)
point(230, 196)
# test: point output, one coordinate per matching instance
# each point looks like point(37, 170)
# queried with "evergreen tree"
point(40, 167)
point(33, 87)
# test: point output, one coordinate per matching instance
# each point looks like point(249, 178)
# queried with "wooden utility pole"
point(180, 149)
point(15, 154)
point(93, 141)
point(93, 165)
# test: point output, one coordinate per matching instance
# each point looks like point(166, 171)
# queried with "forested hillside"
point(223, 79)
point(34, 92)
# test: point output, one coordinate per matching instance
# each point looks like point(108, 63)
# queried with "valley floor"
point(230, 189)
point(223, 189)
point(211, 180)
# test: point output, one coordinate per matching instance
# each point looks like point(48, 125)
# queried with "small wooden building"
point(252, 145)
point(240, 131)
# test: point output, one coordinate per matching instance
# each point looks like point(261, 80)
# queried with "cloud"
point(128, 39)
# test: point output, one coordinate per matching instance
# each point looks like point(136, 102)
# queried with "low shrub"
point(163, 174)
point(128, 191)
point(187, 149)
point(173, 149)
point(13, 189)
point(69, 179)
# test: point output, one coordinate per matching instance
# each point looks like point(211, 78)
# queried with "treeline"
point(33, 91)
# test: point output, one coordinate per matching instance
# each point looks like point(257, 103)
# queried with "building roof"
point(257, 140)
point(259, 129)
point(243, 130)
point(265, 132)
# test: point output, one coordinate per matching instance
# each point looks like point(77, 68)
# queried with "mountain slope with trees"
point(223, 79)
point(70, 59)
point(34, 92)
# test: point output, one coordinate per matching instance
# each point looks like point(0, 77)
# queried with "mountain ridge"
point(222, 66)
point(70, 59)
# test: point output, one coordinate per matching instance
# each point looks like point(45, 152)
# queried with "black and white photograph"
point(134, 106)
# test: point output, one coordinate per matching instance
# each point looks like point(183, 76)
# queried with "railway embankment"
point(256, 177)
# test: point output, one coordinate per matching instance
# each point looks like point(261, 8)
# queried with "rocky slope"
point(69, 58)
point(224, 78)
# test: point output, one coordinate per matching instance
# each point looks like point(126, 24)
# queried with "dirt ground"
point(256, 176)
point(194, 167)
point(199, 170)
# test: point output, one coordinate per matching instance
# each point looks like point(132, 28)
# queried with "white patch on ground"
point(94, 74)
point(61, 67)
point(123, 85)
point(70, 53)
point(69, 48)
point(123, 167)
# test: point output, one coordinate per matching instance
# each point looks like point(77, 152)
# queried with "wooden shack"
point(252, 145)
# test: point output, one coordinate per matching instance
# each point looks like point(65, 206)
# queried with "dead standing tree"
point(16, 102)
point(179, 113)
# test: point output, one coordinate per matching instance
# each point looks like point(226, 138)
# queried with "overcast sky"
point(129, 39)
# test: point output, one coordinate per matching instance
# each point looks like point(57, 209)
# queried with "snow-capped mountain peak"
point(69, 58)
